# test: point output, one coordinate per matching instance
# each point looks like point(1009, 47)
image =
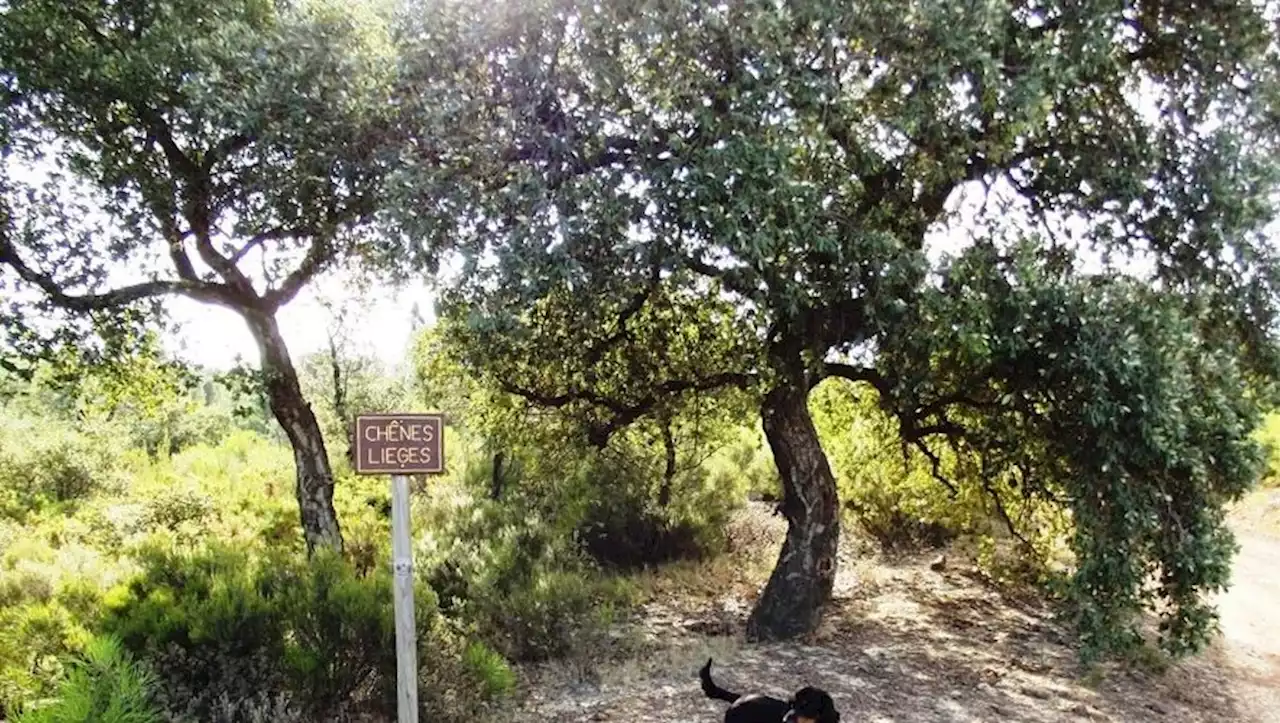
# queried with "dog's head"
point(812, 705)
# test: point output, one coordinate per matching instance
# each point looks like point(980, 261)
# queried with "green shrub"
point(35, 639)
point(342, 628)
point(104, 685)
point(619, 504)
point(180, 425)
point(43, 465)
point(558, 614)
point(894, 498)
point(176, 509)
point(625, 529)
point(747, 460)
point(1269, 435)
point(514, 578)
point(491, 669)
point(50, 597)
point(224, 626)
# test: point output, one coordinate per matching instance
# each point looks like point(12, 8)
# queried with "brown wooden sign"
point(399, 444)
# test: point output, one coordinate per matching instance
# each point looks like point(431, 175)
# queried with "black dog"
point(808, 705)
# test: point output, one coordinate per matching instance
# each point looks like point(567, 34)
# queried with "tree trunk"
point(311, 460)
point(339, 393)
point(669, 473)
point(805, 572)
point(496, 479)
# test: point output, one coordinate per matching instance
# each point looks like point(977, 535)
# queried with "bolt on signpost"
point(401, 445)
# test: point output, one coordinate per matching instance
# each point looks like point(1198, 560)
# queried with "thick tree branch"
point(841, 321)
point(321, 251)
point(916, 435)
point(626, 413)
point(116, 298)
point(633, 307)
point(254, 243)
point(174, 241)
point(318, 254)
point(856, 374)
point(219, 263)
point(197, 206)
point(226, 148)
point(196, 178)
point(9, 367)
point(275, 234)
point(181, 164)
point(733, 279)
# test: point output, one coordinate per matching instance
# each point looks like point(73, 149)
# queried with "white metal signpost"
point(401, 445)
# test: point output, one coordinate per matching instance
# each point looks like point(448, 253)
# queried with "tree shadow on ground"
point(904, 643)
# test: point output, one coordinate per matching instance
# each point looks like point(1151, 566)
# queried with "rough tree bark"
point(804, 575)
point(314, 484)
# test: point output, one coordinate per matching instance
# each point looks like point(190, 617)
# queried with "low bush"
point(1269, 435)
point(180, 425)
point(49, 601)
point(223, 627)
point(494, 673)
point(514, 579)
point(624, 526)
point(35, 640)
point(49, 465)
point(104, 685)
point(620, 505)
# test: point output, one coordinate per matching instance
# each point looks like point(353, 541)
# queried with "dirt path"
point(907, 643)
point(1250, 622)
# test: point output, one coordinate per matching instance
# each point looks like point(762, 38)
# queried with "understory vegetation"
point(150, 569)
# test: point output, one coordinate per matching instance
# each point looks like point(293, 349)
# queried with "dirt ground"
point(903, 642)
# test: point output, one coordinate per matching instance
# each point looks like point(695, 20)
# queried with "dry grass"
point(901, 642)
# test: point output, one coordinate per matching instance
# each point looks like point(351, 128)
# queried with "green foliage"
point(192, 560)
point(227, 151)
point(58, 562)
point(52, 575)
point(1268, 435)
point(43, 465)
point(36, 635)
point(746, 457)
point(652, 495)
point(490, 668)
point(755, 196)
point(897, 496)
point(516, 579)
point(624, 521)
point(1102, 395)
point(105, 685)
point(891, 493)
point(222, 625)
point(239, 628)
point(142, 398)
point(344, 384)
point(282, 104)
